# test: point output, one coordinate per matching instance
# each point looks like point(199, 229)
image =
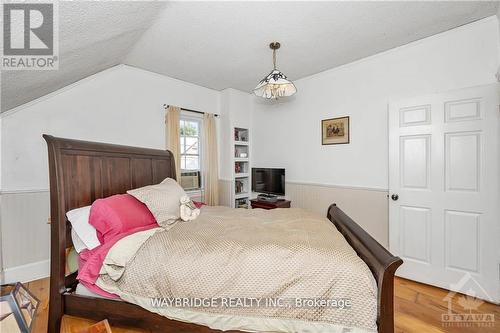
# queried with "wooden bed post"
point(381, 262)
point(58, 241)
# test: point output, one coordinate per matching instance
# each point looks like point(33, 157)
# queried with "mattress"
point(288, 255)
point(84, 291)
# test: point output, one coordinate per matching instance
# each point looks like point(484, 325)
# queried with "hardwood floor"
point(40, 289)
point(418, 309)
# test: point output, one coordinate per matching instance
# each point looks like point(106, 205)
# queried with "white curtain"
point(210, 160)
point(172, 135)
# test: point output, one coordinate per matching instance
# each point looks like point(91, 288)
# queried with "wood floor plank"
point(406, 323)
point(418, 308)
point(40, 289)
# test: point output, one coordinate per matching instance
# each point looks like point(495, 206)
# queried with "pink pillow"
point(117, 214)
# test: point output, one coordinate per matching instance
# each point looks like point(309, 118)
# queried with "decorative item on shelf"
point(240, 134)
point(275, 84)
point(237, 167)
point(17, 308)
point(335, 131)
point(238, 186)
point(241, 151)
point(241, 203)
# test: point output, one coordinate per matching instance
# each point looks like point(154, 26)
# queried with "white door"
point(444, 189)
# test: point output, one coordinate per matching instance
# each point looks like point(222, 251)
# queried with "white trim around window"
point(198, 118)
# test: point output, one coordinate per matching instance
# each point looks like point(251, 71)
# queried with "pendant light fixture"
point(275, 84)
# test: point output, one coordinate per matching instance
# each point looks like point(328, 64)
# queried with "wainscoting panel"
point(225, 192)
point(25, 234)
point(368, 207)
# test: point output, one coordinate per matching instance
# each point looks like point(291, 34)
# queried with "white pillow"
point(78, 244)
point(163, 200)
point(79, 219)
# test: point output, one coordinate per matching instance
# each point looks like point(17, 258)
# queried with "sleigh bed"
point(81, 172)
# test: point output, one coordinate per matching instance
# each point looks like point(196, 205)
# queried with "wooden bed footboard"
point(381, 262)
point(81, 172)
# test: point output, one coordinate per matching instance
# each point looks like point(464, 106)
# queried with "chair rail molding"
point(342, 186)
point(21, 191)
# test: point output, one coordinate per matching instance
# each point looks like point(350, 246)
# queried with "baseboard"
point(28, 272)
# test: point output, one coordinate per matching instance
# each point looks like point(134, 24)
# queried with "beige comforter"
point(214, 270)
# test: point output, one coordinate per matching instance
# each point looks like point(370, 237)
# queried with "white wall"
point(1, 257)
point(122, 105)
point(288, 133)
point(225, 135)
point(236, 111)
point(463, 57)
point(498, 18)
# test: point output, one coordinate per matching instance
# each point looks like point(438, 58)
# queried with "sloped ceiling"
point(225, 44)
point(93, 36)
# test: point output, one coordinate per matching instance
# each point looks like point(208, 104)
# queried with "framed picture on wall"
point(335, 131)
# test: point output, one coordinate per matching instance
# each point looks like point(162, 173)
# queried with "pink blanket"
point(91, 261)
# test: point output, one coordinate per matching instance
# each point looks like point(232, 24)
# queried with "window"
point(190, 141)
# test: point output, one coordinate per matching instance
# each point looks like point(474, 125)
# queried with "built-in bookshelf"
point(241, 168)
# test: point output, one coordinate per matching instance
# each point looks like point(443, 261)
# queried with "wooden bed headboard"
point(81, 172)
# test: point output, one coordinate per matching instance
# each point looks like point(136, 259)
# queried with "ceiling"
point(225, 44)
point(93, 36)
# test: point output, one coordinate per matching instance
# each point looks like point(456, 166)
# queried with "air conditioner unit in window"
point(190, 180)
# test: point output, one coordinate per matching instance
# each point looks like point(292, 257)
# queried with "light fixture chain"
point(274, 58)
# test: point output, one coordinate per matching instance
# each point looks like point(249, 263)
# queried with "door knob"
point(394, 197)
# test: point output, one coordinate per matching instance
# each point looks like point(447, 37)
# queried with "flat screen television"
point(267, 180)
